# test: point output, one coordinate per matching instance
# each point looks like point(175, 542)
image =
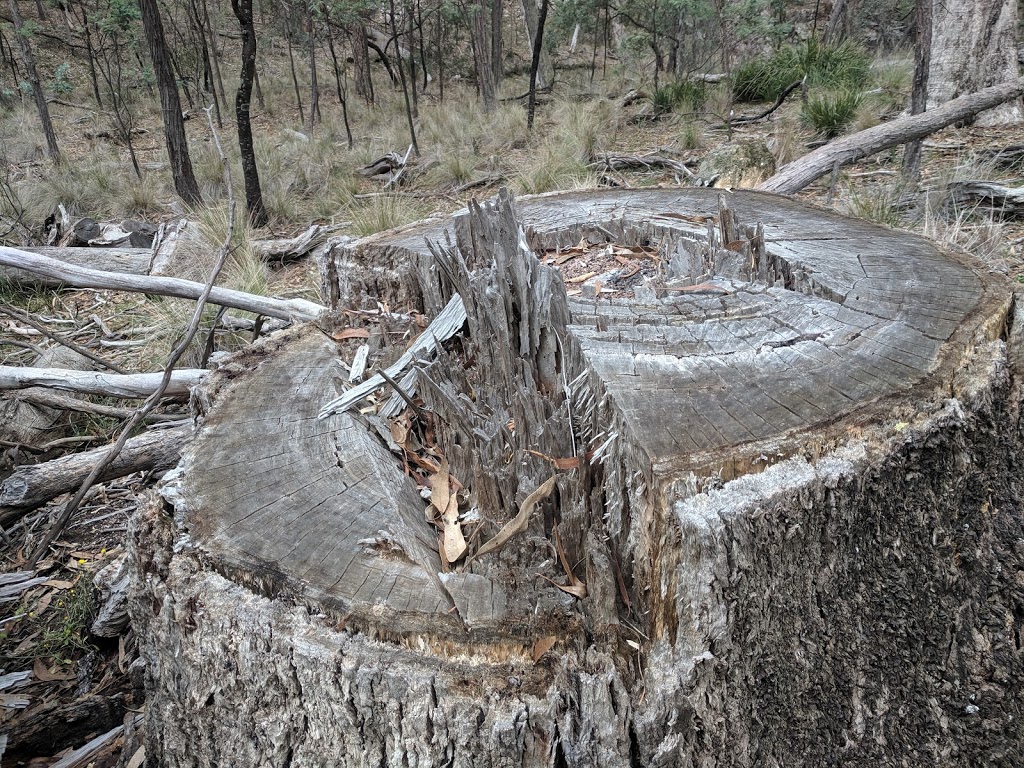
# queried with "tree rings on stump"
point(782, 527)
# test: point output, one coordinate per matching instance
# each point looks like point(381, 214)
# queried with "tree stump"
point(784, 527)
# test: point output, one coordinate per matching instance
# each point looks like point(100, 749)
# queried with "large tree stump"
point(793, 510)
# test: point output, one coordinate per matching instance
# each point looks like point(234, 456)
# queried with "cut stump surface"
point(799, 412)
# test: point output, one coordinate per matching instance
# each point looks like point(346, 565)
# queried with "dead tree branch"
point(848, 149)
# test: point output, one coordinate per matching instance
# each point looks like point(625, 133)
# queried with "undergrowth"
point(832, 66)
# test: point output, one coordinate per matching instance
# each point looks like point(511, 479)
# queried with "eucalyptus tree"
point(246, 147)
point(185, 183)
point(28, 60)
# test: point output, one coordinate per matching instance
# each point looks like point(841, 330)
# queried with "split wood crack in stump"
point(782, 498)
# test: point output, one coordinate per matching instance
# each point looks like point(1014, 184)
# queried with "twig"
point(401, 393)
point(24, 317)
point(761, 115)
point(176, 354)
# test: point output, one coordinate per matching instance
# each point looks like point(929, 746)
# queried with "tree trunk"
point(538, 47)
point(361, 63)
point(243, 100)
point(28, 59)
point(974, 45)
point(314, 85)
point(483, 49)
point(772, 525)
point(185, 183)
point(545, 70)
point(848, 149)
point(919, 92)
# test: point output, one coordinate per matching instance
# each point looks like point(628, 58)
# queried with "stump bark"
point(791, 501)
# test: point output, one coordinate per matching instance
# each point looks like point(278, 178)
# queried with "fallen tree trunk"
point(32, 485)
point(81, 277)
point(1005, 202)
point(773, 524)
point(848, 149)
point(133, 385)
point(130, 261)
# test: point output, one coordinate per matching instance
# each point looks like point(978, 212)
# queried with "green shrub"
point(829, 112)
point(763, 79)
point(688, 95)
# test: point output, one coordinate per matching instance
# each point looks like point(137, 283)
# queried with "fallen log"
point(784, 519)
point(849, 149)
point(130, 261)
point(131, 385)
point(81, 277)
point(1004, 202)
point(32, 485)
point(291, 248)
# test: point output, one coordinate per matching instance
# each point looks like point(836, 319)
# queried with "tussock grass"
point(830, 112)
point(840, 66)
point(882, 204)
point(384, 212)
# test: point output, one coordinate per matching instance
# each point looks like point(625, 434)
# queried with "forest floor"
point(81, 686)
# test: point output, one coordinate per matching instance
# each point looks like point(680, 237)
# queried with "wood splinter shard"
point(520, 522)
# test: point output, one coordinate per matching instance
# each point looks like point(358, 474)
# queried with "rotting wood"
point(32, 485)
point(81, 277)
point(848, 149)
point(985, 196)
point(289, 249)
point(843, 410)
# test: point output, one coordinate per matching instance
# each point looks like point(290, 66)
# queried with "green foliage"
point(685, 95)
point(61, 82)
point(829, 112)
point(844, 65)
point(65, 630)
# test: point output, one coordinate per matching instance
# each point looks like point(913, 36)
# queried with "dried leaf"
point(45, 675)
point(542, 646)
point(58, 584)
point(399, 432)
point(138, 758)
point(581, 278)
point(350, 333)
point(735, 245)
point(520, 522)
point(575, 587)
point(439, 487)
point(454, 542)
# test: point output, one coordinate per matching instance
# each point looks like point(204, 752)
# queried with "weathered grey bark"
point(82, 277)
point(483, 50)
point(795, 512)
point(135, 385)
point(28, 59)
point(32, 485)
point(545, 69)
point(848, 149)
point(130, 261)
point(919, 92)
point(1004, 202)
point(974, 45)
point(243, 99)
point(185, 183)
point(33, 423)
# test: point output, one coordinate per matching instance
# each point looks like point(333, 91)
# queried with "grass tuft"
point(829, 112)
point(840, 66)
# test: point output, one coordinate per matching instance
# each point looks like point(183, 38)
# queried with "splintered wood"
point(485, 520)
